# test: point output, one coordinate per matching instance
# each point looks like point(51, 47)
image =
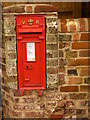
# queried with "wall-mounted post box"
point(30, 31)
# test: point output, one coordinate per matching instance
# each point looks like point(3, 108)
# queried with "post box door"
point(32, 63)
point(31, 56)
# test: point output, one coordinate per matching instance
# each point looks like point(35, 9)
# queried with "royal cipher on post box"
point(30, 32)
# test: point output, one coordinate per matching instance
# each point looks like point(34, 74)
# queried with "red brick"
point(28, 9)
point(85, 72)
point(84, 53)
point(85, 37)
point(63, 25)
point(72, 26)
point(69, 89)
point(61, 79)
point(77, 62)
point(80, 45)
point(75, 36)
point(56, 116)
point(75, 80)
point(42, 8)
point(89, 24)
point(84, 88)
point(14, 9)
point(82, 23)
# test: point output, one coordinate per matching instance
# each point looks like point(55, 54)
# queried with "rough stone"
point(51, 46)
point(52, 81)
point(10, 44)
point(65, 37)
point(9, 25)
point(51, 38)
point(51, 26)
point(52, 62)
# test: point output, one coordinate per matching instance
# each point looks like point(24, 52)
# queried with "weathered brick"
point(80, 45)
point(52, 70)
point(28, 9)
point(52, 53)
point(51, 104)
point(56, 116)
point(84, 103)
point(84, 88)
point(85, 37)
point(81, 111)
point(82, 23)
point(43, 8)
point(69, 89)
point(65, 37)
point(84, 53)
point(71, 54)
point(11, 55)
point(31, 114)
point(72, 72)
point(70, 111)
point(85, 72)
point(75, 80)
point(61, 54)
point(3, 67)
point(52, 47)
point(62, 69)
point(78, 96)
point(63, 45)
point(61, 79)
point(72, 26)
point(12, 78)
point(69, 103)
point(62, 62)
point(63, 25)
point(76, 36)
point(89, 24)
point(76, 62)
point(14, 9)
point(87, 80)
point(51, 38)
point(9, 25)
point(52, 62)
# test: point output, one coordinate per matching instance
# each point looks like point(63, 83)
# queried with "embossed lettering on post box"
point(30, 31)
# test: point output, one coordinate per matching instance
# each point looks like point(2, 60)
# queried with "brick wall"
point(0, 57)
point(67, 61)
point(74, 61)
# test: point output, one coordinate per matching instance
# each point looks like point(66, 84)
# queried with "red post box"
point(30, 31)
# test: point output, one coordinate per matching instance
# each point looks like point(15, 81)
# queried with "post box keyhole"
point(27, 67)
